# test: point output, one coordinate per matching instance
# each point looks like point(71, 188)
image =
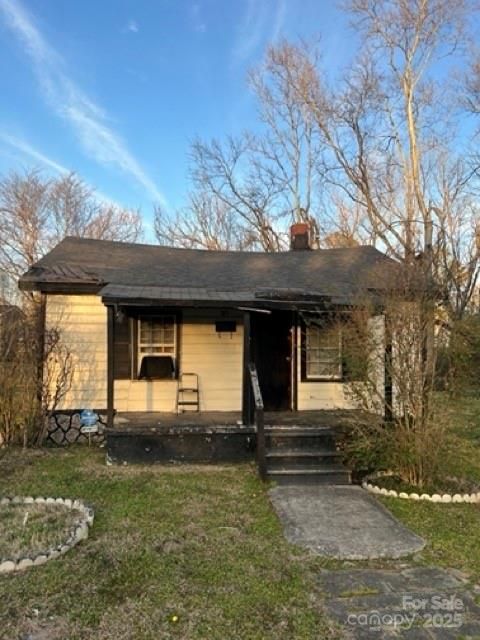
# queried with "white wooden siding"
point(82, 320)
point(334, 395)
point(216, 357)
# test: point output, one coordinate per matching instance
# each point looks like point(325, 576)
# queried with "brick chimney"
point(300, 236)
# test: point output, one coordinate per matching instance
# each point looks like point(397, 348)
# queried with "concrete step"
point(325, 474)
point(311, 439)
point(295, 458)
point(297, 430)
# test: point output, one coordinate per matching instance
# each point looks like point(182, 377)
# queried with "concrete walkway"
point(343, 522)
point(415, 603)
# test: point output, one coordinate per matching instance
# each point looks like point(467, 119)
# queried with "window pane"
point(323, 352)
point(157, 335)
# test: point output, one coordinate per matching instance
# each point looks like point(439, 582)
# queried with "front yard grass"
point(197, 552)
point(182, 552)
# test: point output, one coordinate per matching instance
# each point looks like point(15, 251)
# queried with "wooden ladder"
point(188, 393)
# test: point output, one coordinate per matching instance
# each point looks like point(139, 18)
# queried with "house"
point(158, 331)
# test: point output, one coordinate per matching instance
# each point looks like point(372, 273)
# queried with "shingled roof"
point(140, 271)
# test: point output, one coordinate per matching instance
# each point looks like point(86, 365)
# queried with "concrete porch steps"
point(304, 455)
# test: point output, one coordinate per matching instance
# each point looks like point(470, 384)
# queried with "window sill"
point(332, 379)
point(153, 380)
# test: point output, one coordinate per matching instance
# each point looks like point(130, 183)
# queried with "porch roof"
point(134, 295)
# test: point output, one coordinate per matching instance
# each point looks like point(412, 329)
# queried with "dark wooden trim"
point(294, 391)
point(388, 389)
point(122, 346)
point(110, 364)
point(178, 347)
point(60, 288)
point(247, 401)
point(271, 305)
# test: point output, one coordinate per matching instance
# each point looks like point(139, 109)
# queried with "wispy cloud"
point(26, 149)
point(88, 120)
point(131, 27)
point(198, 23)
point(262, 22)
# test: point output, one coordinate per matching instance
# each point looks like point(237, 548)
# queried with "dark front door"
point(271, 346)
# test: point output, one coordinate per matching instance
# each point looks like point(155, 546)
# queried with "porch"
point(289, 445)
point(135, 422)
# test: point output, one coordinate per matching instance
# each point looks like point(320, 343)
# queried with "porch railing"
point(259, 421)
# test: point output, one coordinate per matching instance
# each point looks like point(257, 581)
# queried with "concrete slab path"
point(343, 522)
point(415, 603)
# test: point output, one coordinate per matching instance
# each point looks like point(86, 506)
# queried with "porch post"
point(110, 364)
point(247, 405)
point(388, 387)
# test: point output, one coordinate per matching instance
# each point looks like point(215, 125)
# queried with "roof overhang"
point(134, 296)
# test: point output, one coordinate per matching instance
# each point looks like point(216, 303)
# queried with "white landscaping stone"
point(414, 496)
point(28, 500)
point(81, 532)
point(17, 500)
point(24, 563)
point(457, 498)
point(41, 559)
point(426, 497)
point(446, 497)
point(89, 516)
point(466, 497)
point(59, 500)
point(40, 500)
point(4, 501)
point(63, 549)
point(436, 497)
point(392, 493)
point(384, 492)
point(403, 495)
point(53, 553)
point(7, 566)
point(68, 502)
point(50, 500)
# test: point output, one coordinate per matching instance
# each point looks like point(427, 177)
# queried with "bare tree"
point(253, 186)
point(37, 212)
point(390, 153)
point(413, 442)
point(206, 223)
point(36, 371)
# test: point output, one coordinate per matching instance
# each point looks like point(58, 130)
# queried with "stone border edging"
point(78, 533)
point(445, 498)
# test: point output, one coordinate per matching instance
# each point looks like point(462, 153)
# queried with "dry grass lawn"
point(26, 530)
point(183, 552)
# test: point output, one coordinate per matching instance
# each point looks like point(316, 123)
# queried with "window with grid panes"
point(323, 352)
point(156, 336)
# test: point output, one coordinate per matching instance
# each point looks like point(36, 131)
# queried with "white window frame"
point(323, 377)
point(156, 348)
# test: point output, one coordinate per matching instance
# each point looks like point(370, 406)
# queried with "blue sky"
point(116, 89)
